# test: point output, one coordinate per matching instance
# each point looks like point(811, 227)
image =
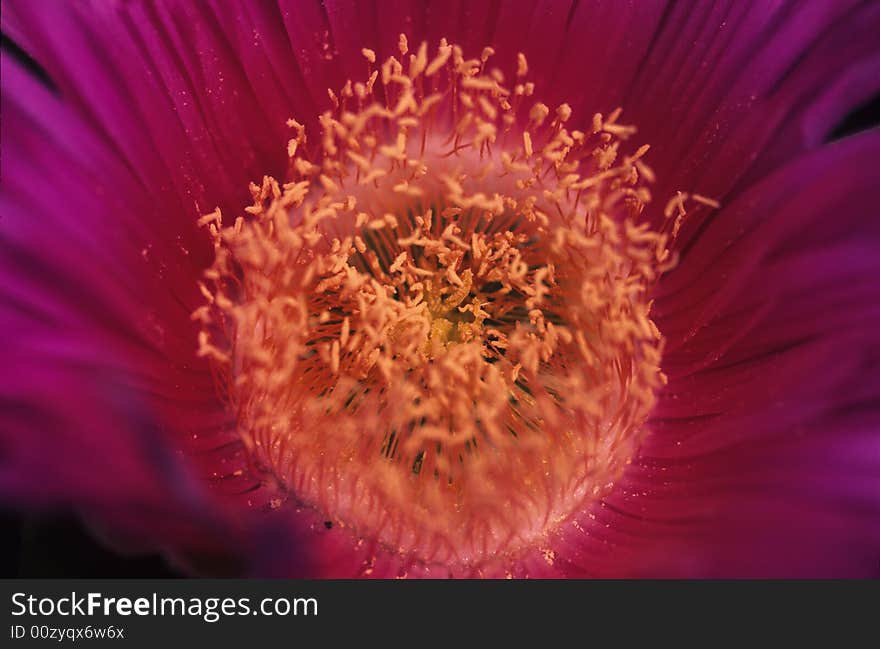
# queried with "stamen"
point(437, 332)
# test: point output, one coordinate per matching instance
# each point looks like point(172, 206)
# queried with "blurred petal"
point(96, 308)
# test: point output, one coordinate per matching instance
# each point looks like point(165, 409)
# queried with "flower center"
point(437, 333)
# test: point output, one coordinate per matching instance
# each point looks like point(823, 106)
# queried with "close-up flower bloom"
point(446, 289)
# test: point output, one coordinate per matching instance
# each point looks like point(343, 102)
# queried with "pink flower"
point(467, 325)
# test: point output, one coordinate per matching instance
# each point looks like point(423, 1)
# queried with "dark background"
point(59, 546)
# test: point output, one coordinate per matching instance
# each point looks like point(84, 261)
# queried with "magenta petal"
point(729, 91)
point(763, 455)
point(163, 85)
point(785, 215)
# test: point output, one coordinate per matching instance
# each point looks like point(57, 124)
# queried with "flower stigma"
point(437, 332)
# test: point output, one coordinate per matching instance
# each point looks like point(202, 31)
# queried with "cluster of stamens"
point(437, 333)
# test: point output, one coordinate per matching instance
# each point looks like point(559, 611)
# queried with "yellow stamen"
point(438, 331)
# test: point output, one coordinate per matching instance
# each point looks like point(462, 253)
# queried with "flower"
point(474, 328)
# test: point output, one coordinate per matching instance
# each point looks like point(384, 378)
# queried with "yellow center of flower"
point(437, 333)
